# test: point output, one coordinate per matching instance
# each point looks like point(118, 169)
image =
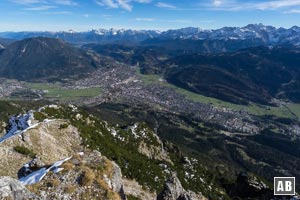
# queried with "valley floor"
point(230, 138)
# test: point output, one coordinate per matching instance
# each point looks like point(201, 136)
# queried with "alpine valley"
point(185, 114)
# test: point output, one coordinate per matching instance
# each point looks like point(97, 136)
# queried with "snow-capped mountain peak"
point(267, 35)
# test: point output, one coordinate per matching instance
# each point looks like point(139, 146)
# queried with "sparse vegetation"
point(39, 116)
point(52, 182)
point(25, 151)
point(88, 177)
point(63, 126)
point(134, 165)
point(68, 166)
point(130, 197)
point(69, 189)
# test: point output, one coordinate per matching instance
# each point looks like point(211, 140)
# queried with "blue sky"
point(83, 15)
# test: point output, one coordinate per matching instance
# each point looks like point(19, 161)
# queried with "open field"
point(57, 92)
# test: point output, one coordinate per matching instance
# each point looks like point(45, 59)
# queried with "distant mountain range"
point(93, 36)
point(255, 63)
point(257, 34)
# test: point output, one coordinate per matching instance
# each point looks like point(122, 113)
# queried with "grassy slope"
point(290, 111)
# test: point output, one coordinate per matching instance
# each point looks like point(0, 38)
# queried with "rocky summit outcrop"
point(48, 140)
point(173, 190)
point(87, 175)
point(55, 153)
point(13, 189)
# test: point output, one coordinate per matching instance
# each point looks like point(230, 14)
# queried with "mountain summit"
point(39, 58)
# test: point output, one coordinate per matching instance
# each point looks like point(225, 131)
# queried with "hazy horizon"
point(124, 28)
point(79, 15)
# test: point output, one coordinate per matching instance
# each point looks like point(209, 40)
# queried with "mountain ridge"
point(267, 35)
point(254, 74)
point(44, 58)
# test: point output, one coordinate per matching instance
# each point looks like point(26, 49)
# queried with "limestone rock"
point(173, 190)
point(133, 188)
point(47, 140)
point(13, 189)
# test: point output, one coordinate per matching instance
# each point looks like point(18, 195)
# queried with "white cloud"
point(235, 5)
point(294, 11)
point(39, 8)
point(143, 1)
point(165, 5)
point(44, 3)
point(66, 2)
point(107, 16)
point(217, 2)
point(145, 19)
point(123, 4)
point(27, 1)
point(277, 4)
point(58, 13)
point(107, 3)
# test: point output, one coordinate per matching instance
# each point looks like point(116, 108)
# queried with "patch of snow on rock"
point(38, 175)
point(18, 125)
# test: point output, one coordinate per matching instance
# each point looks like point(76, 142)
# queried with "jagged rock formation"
point(88, 175)
point(133, 188)
point(173, 190)
point(13, 189)
point(116, 181)
point(48, 140)
point(250, 186)
point(151, 146)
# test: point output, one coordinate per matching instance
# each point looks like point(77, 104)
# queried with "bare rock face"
point(50, 142)
point(13, 189)
point(133, 188)
point(87, 175)
point(173, 190)
point(116, 181)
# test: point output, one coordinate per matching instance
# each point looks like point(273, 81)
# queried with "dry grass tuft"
point(53, 182)
point(69, 189)
point(87, 178)
point(68, 166)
